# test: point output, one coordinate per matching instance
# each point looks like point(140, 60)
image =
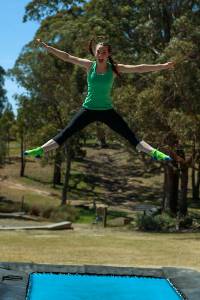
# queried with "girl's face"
point(101, 53)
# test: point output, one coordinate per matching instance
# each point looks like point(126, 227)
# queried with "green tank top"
point(99, 89)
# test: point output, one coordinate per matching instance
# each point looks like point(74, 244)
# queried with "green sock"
point(36, 152)
point(158, 155)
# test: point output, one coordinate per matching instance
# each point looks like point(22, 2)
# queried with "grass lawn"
point(93, 245)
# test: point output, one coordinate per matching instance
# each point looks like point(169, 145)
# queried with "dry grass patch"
point(92, 245)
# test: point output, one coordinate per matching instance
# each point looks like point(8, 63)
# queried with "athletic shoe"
point(157, 155)
point(36, 152)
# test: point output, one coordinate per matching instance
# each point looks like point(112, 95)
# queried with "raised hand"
point(39, 41)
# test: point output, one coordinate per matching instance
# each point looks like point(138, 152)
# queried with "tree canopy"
point(163, 107)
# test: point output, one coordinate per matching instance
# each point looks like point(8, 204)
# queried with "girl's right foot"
point(36, 152)
point(158, 155)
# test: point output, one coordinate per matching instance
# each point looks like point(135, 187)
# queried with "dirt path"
point(18, 186)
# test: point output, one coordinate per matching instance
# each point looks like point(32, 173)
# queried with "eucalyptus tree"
point(140, 32)
point(3, 102)
point(53, 87)
point(7, 125)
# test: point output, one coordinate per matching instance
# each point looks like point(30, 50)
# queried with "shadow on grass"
point(115, 182)
point(32, 178)
point(105, 178)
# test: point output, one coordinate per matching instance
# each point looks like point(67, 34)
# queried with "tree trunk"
point(8, 146)
point(57, 168)
point(195, 183)
point(183, 193)
point(101, 136)
point(164, 190)
point(166, 19)
point(67, 175)
point(170, 203)
point(22, 168)
point(184, 186)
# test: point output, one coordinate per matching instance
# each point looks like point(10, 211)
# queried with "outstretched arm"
point(144, 68)
point(86, 63)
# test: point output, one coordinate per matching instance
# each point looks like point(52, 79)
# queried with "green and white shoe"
point(158, 155)
point(36, 152)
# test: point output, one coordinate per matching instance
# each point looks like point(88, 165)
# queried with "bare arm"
point(144, 68)
point(86, 63)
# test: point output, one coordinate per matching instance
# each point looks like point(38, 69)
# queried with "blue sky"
point(14, 35)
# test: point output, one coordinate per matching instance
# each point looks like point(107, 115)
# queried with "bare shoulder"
point(88, 64)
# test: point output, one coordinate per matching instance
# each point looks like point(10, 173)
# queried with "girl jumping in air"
point(98, 105)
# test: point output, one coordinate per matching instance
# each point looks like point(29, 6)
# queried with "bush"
point(60, 213)
point(46, 213)
point(64, 213)
point(159, 222)
point(35, 211)
point(9, 206)
point(186, 223)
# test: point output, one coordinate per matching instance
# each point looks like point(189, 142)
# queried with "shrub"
point(186, 222)
point(161, 222)
point(65, 212)
point(9, 207)
point(35, 211)
point(46, 213)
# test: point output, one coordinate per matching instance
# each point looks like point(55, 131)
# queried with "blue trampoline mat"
point(44, 286)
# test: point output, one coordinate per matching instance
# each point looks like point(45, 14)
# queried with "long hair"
point(113, 64)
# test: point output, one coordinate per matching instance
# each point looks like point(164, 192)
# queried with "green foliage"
point(161, 222)
point(7, 123)
point(37, 10)
point(3, 133)
point(86, 216)
point(2, 90)
point(116, 214)
point(165, 32)
point(156, 105)
point(186, 223)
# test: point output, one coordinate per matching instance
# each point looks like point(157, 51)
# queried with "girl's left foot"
point(158, 155)
point(36, 152)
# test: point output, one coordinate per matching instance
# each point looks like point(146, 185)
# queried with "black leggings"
point(86, 116)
